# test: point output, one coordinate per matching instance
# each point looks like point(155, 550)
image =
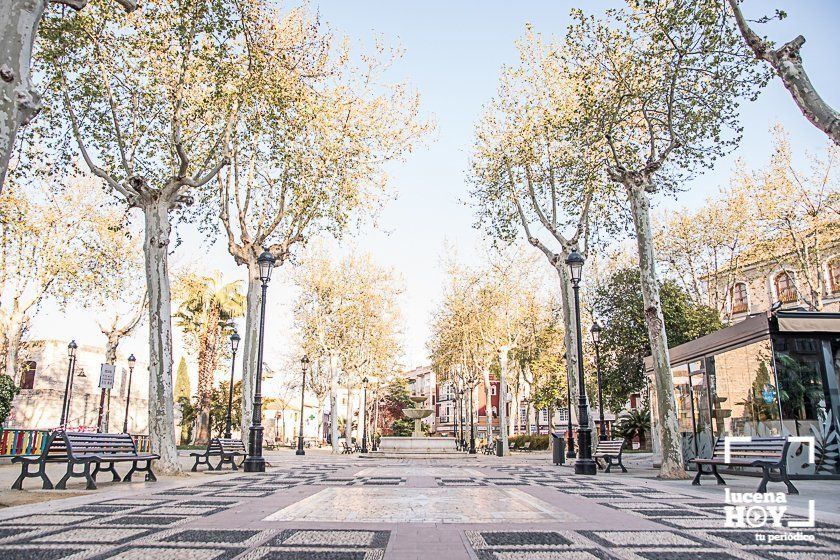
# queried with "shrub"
point(8, 390)
point(538, 443)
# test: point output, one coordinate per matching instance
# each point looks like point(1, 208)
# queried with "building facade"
point(42, 379)
point(756, 286)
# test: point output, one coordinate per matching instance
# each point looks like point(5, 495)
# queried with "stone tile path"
point(369, 510)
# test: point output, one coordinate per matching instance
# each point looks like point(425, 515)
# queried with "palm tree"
point(634, 423)
point(207, 308)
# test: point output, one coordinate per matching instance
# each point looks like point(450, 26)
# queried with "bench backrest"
point(769, 448)
point(228, 445)
point(610, 446)
point(65, 445)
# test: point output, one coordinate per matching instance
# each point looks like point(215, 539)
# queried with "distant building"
point(756, 285)
point(42, 379)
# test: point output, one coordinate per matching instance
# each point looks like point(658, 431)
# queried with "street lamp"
point(68, 385)
point(234, 346)
point(584, 465)
point(303, 363)
point(131, 363)
point(596, 339)
point(570, 452)
point(255, 461)
point(461, 419)
point(472, 424)
point(364, 415)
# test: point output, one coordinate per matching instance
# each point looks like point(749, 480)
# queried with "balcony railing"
point(739, 308)
point(788, 295)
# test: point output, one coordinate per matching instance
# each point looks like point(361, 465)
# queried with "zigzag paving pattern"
point(395, 510)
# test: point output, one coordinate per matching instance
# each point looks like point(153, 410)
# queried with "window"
point(544, 416)
point(834, 276)
point(492, 390)
point(27, 375)
point(739, 298)
point(784, 288)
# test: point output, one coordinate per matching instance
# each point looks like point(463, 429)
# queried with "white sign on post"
point(106, 376)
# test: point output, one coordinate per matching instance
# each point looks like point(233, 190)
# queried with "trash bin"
point(558, 448)
point(500, 449)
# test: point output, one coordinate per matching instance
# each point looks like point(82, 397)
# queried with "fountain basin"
point(393, 445)
point(417, 413)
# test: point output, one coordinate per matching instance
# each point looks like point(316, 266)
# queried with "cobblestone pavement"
point(368, 510)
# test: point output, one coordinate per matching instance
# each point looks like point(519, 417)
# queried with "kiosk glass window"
point(800, 370)
point(743, 391)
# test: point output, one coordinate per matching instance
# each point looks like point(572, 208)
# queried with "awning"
point(803, 321)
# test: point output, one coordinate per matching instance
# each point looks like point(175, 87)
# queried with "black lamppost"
point(596, 338)
point(461, 419)
point(472, 424)
point(364, 415)
point(303, 363)
point(234, 345)
point(131, 362)
point(584, 465)
point(570, 443)
point(71, 367)
point(255, 461)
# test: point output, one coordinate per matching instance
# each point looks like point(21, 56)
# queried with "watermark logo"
point(762, 510)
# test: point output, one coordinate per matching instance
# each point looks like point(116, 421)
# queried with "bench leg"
point(111, 469)
point(696, 481)
point(71, 472)
point(62, 484)
point(24, 474)
point(717, 475)
point(91, 482)
point(621, 464)
point(762, 487)
point(127, 477)
point(609, 464)
point(150, 475)
point(784, 476)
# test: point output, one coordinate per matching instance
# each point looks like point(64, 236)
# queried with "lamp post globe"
point(595, 331)
point(584, 465)
point(234, 346)
point(132, 361)
point(304, 362)
point(364, 415)
point(255, 461)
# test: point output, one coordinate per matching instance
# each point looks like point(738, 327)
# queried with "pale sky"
point(453, 55)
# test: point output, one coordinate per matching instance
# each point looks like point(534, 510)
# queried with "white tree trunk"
point(13, 337)
point(503, 418)
point(19, 101)
point(250, 345)
point(348, 421)
point(334, 403)
point(673, 466)
point(161, 412)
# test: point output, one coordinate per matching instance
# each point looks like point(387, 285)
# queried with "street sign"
point(106, 376)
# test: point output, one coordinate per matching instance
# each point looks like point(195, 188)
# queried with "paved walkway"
point(348, 508)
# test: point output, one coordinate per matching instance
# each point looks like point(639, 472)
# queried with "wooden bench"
point(766, 453)
point(346, 449)
point(610, 450)
point(226, 449)
point(102, 451)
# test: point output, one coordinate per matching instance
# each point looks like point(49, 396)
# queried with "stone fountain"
point(418, 444)
point(417, 414)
